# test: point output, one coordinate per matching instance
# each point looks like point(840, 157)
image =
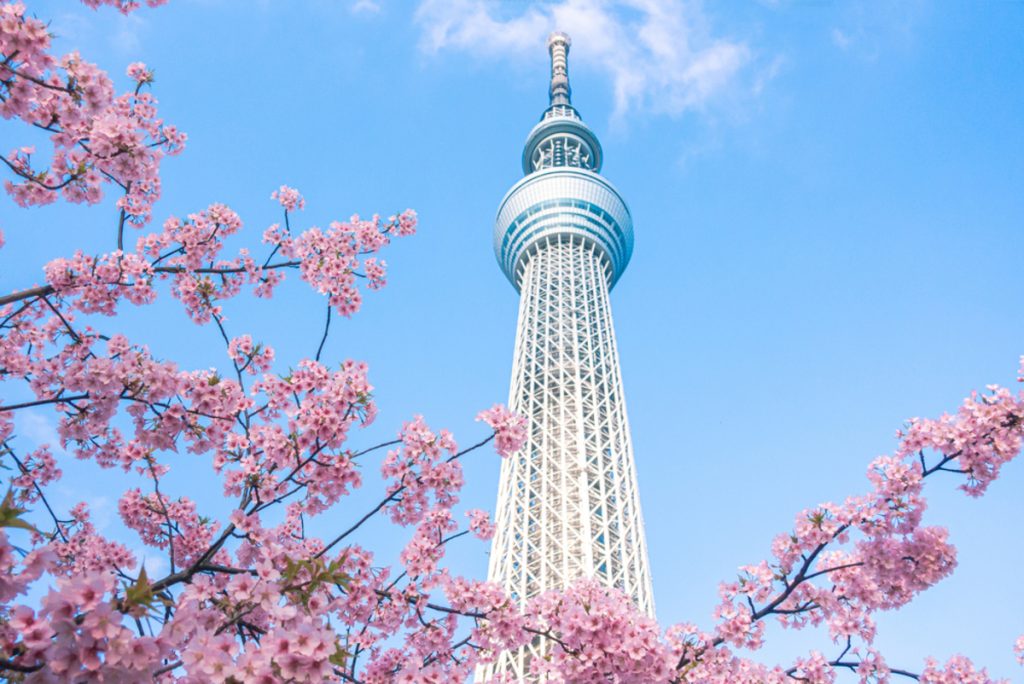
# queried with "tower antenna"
point(558, 47)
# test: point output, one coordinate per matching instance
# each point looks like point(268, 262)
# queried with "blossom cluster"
point(509, 428)
point(598, 630)
point(332, 260)
point(78, 633)
point(125, 6)
point(480, 523)
point(97, 137)
point(844, 562)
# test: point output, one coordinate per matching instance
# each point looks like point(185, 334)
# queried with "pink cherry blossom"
point(138, 72)
point(480, 523)
point(289, 198)
point(509, 428)
point(958, 670)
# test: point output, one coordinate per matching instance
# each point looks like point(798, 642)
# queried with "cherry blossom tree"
point(253, 597)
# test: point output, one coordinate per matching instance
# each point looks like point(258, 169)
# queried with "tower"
point(568, 505)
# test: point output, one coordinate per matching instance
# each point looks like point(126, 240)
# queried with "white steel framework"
point(568, 505)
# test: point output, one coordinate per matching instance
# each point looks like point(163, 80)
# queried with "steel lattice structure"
point(568, 505)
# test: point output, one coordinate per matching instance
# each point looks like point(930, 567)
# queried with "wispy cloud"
point(83, 31)
point(39, 430)
point(156, 565)
point(365, 7)
point(767, 74)
point(127, 35)
point(840, 39)
point(660, 54)
point(867, 29)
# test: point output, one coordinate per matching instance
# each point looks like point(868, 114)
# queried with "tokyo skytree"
point(568, 505)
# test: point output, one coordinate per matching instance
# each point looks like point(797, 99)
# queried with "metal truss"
point(568, 505)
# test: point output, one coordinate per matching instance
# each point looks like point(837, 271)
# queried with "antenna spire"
point(558, 46)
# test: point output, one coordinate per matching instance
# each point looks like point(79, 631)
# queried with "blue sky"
point(828, 212)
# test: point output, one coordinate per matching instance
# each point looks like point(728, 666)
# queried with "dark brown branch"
point(327, 329)
point(43, 402)
point(225, 270)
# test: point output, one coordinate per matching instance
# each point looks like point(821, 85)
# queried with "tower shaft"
point(568, 505)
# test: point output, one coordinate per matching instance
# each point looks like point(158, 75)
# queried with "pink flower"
point(480, 523)
point(289, 198)
point(138, 72)
point(405, 223)
point(957, 670)
point(102, 622)
point(509, 428)
point(249, 357)
point(35, 631)
point(86, 591)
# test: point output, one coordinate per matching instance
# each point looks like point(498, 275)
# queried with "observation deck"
point(562, 193)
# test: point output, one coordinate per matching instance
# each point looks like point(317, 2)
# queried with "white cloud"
point(86, 30)
point(126, 37)
point(659, 54)
point(155, 564)
point(103, 511)
point(365, 7)
point(469, 25)
point(40, 430)
point(866, 30)
point(840, 39)
point(71, 27)
point(767, 74)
